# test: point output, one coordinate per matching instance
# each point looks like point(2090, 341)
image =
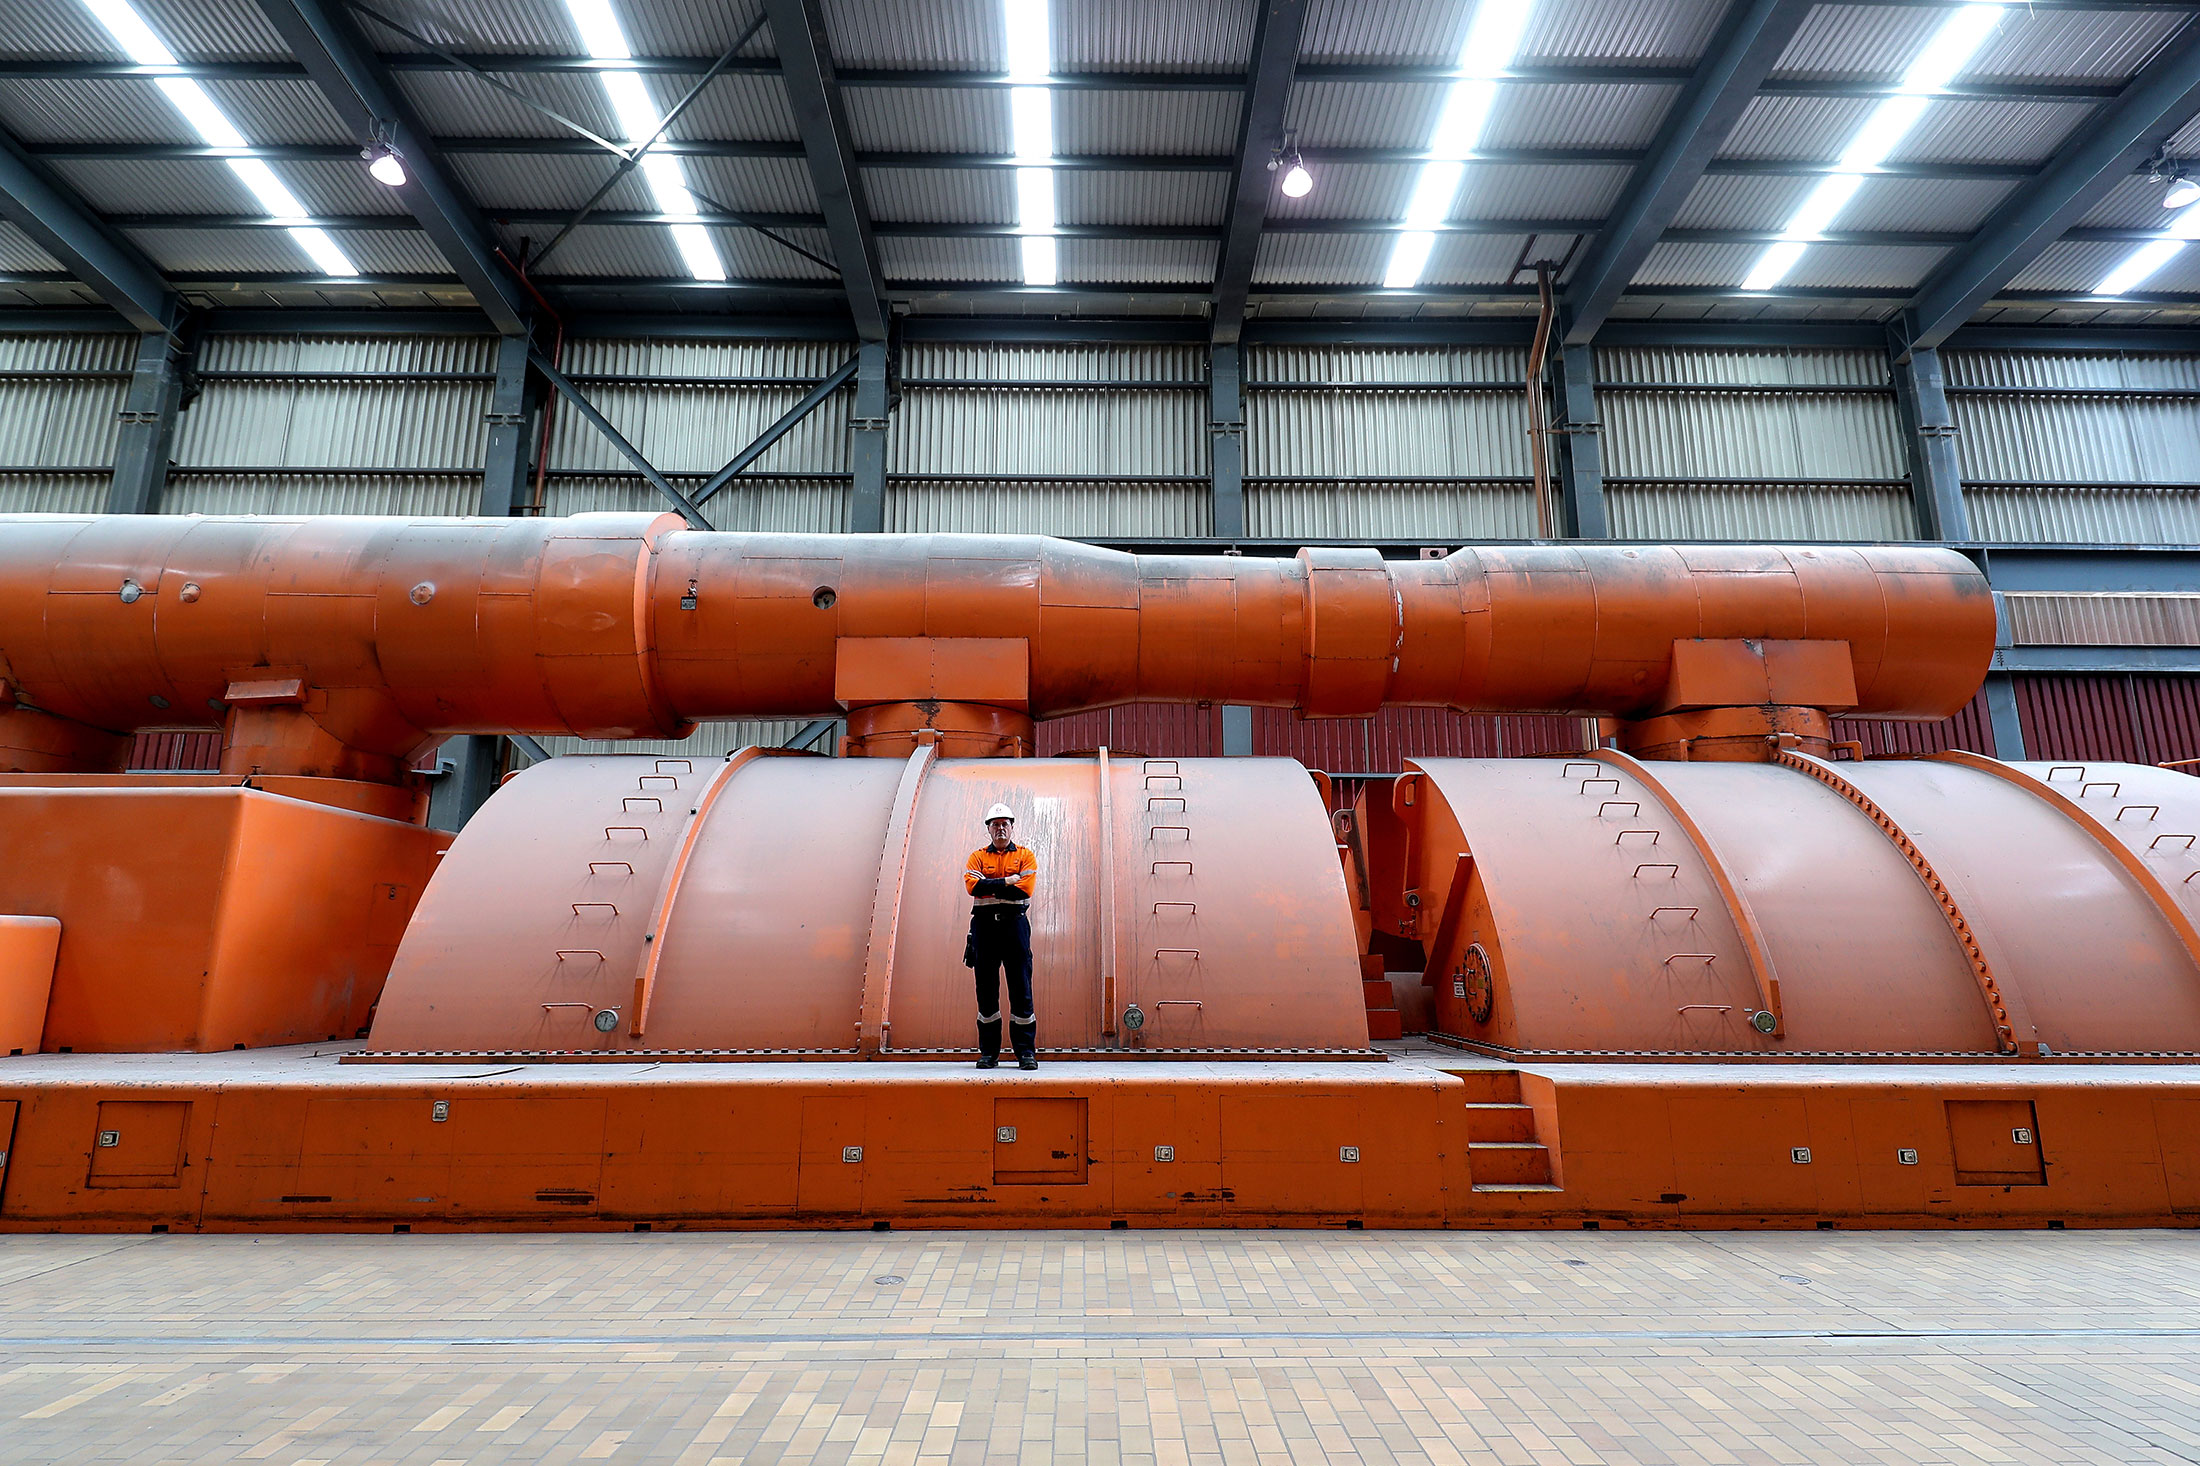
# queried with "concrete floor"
point(1171, 1349)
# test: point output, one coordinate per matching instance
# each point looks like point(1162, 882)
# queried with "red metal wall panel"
point(2130, 717)
point(1383, 743)
point(1160, 730)
point(176, 752)
point(1971, 730)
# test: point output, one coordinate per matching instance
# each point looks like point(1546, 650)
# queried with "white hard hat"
point(1000, 812)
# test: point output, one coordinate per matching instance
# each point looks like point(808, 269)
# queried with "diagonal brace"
point(764, 440)
point(679, 501)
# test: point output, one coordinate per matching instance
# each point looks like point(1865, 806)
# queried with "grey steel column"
point(1226, 427)
point(2001, 711)
point(468, 769)
point(1929, 442)
point(504, 487)
point(1580, 457)
point(1237, 731)
point(867, 442)
point(148, 426)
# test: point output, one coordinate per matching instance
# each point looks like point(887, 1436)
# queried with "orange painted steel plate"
point(1234, 933)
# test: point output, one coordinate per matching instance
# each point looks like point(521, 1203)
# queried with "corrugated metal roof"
point(520, 181)
point(89, 111)
point(1384, 32)
point(1646, 32)
point(455, 104)
point(1697, 264)
point(928, 119)
point(772, 185)
point(509, 27)
point(690, 27)
point(272, 251)
point(1321, 259)
point(1145, 122)
point(943, 195)
point(207, 186)
point(950, 259)
point(1153, 35)
point(1528, 191)
point(1795, 127)
point(1351, 191)
point(52, 28)
point(919, 35)
point(18, 251)
point(1176, 261)
point(1083, 196)
point(209, 31)
point(1476, 259)
point(745, 107)
point(2047, 45)
point(1754, 202)
point(1992, 132)
point(2072, 265)
point(645, 253)
point(1832, 265)
point(1577, 116)
point(2134, 203)
point(1364, 114)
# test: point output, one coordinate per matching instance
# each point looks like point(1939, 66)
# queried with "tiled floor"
point(1171, 1349)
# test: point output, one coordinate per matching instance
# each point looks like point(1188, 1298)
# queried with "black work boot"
point(1027, 1061)
point(989, 1061)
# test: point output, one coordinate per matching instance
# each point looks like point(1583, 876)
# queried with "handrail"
point(1737, 906)
point(874, 1029)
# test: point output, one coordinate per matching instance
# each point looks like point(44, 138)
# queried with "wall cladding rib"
point(1437, 512)
point(779, 505)
point(1095, 509)
point(61, 421)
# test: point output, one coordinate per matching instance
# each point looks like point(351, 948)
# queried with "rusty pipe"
point(393, 633)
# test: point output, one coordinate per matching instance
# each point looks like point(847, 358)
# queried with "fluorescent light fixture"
point(2137, 267)
point(1493, 36)
point(206, 118)
point(1942, 60)
point(1031, 122)
point(638, 117)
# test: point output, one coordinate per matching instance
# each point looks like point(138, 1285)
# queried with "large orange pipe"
point(403, 631)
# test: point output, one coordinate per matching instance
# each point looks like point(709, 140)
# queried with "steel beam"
point(1277, 26)
point(148, 431)
point(2107, 149)
point(680, 502)
point(867, 440)
point(356, 85)
point(1226, 433)
point(1929, 444)
point(811, 401)
point(1739, 59)
point(2002, 716)
point(94, 254)
point(806, 61)
point(512, 406)
point(1580, 455)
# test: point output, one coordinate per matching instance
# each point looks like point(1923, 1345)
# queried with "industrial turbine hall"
point(882, 639)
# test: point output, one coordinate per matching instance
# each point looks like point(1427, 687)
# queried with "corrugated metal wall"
point(1752, 444)
point(1099, 440)
point(288, 424)
point(2132, 719)
point(1113, 440)
point(1386, 443)
point(689, 406)
point(2078, 447)
point(1971, 730)
point(58, 399)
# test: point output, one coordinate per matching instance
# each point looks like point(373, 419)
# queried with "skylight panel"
point(636, 110)
point(1942, 61)
point(1031, 120)
point(1492, 39)
point(206, 118)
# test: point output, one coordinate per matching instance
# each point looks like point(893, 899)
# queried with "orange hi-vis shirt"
point(1015, 864)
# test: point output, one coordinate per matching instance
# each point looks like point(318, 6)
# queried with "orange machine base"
point(292, 1140)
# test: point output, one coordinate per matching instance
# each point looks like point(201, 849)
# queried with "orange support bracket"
point(874, 1029)
point(1106, 863)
